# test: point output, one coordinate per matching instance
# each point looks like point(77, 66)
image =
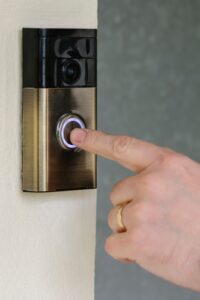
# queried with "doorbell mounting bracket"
point(59, 94)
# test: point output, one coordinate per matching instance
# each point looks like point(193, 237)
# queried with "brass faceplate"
point(47, 167)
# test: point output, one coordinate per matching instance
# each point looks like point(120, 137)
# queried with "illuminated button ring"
point(64, 127)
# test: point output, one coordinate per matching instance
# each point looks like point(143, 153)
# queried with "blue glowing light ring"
point(63, 126)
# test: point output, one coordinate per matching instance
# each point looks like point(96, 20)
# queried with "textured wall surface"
point(47, 241)
point(149, 87)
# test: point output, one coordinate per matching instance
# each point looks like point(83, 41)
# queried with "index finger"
point(130, 152)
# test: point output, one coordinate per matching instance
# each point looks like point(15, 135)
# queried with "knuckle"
point(123, 186)
point(173, 160)
point(115, 192)
point(121, 144)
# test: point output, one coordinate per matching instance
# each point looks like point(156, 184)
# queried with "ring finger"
point(119, 215)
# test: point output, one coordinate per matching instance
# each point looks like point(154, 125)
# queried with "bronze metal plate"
point(47, 167)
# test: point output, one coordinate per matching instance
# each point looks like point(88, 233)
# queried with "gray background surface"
point(149, 87)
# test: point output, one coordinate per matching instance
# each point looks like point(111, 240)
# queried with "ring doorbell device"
point(59, 94)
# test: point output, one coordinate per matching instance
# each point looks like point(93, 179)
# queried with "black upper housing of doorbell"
point(59, 58)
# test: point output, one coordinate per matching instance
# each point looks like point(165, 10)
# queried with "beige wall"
point(47, 241)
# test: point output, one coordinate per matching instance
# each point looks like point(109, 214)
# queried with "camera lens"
point(71, 71)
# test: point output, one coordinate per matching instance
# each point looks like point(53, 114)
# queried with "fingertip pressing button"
point(65, 125)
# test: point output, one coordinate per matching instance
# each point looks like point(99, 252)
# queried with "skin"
point(162, 217)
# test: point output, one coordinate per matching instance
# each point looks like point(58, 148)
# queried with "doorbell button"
point(65, 125)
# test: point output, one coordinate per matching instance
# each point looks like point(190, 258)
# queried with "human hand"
point(163, 216)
